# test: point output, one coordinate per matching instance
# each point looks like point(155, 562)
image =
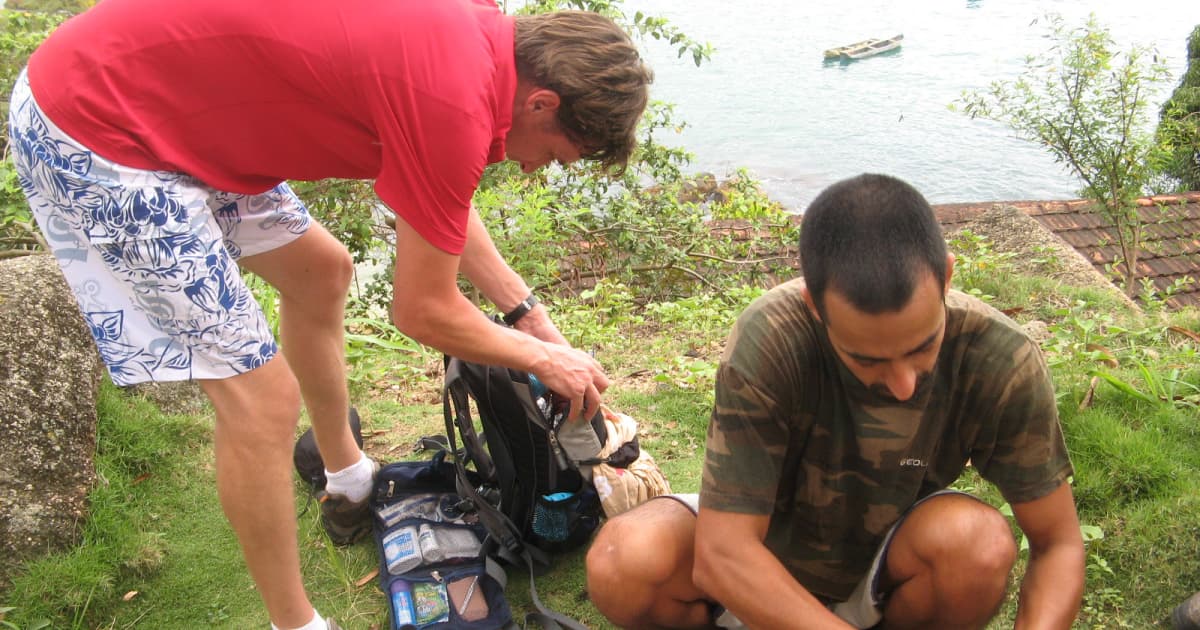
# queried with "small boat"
point(865, 48)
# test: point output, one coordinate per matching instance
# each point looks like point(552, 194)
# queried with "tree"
point(1087, 103)
point(1178, 133)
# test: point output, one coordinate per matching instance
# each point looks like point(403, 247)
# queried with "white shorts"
point(151, 256)
point(864, 607)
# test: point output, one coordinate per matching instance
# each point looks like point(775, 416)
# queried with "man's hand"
point(1053, 585)
point(734, 567)
point(537, 323)
point(567, 372)
point(574, 375)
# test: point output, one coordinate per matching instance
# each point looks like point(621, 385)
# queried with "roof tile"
point(1171, 236)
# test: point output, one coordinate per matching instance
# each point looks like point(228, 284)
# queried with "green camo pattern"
point(794, 434)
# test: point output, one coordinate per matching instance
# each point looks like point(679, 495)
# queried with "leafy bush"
point(566, 229)
point(22, 32)
point(1178, 132)
point(1087, 104)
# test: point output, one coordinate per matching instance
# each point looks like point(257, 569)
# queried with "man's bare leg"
point(257, 414)
point(948, 565)
point(256, 421)
point(639, 569)
point(313, 275)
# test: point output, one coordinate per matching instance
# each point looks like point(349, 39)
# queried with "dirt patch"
point(1037, 251)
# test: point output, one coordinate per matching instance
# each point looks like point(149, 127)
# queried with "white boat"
point(865, 48)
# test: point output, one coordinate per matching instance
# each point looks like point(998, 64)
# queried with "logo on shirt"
point(913, 462)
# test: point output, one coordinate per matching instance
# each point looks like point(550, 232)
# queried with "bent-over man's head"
point(601, 81)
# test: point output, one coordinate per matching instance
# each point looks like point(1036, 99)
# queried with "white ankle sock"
point(317, 623)
point(354, 482)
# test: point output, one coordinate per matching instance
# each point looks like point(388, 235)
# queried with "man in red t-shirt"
point(153, 140)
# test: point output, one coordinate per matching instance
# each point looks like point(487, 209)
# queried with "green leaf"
point(1122, 386)
point(1091, 532)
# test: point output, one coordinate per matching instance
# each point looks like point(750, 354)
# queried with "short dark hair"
point(871, 237)
point(593, 66)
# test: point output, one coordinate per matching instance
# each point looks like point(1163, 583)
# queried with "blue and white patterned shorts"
point(151, 255)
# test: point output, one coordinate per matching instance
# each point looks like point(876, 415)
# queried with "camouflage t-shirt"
point(796, 435)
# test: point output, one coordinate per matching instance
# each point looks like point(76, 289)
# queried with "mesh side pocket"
point(554, 514)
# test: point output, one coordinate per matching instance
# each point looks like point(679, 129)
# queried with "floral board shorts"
point(151, 256)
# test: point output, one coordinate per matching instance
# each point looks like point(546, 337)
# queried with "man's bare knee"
point(332, 284)
point(626, 551)
point(987, 555)
point(247, 416)
point(638, 560)
point(311, 273)
point(952, 558)
point(977, 544)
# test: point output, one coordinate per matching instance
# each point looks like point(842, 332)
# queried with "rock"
point(49, 376)
point(703, 188)
point(174, 397)
point(1037, 330)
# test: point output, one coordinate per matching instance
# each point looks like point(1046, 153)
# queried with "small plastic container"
point(402, 605)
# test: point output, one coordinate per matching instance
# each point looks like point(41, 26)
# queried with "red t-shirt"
point(243, 94)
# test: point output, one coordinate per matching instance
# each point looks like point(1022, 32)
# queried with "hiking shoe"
point(332, 625)
point(344, 520)
point(1186, 616)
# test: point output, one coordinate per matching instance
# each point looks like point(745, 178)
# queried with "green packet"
point(430, 603)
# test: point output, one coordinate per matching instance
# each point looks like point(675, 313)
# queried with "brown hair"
point(601, 81)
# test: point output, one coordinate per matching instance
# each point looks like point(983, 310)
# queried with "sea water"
point(768, 102)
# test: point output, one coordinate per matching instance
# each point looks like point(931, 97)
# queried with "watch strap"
point(519, 311)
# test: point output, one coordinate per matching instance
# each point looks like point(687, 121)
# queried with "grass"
point(157, 552)
point(157, 535)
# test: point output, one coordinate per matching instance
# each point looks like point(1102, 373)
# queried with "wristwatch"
point(519, 311)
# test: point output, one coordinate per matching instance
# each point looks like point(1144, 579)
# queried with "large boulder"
point(49, 376)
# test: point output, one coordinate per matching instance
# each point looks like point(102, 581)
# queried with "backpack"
point(534, 493)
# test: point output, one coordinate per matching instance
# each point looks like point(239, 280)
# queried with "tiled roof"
point(1170, 236)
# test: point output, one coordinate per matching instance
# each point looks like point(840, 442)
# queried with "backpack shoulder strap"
point(546, 618)
point(455, 401)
